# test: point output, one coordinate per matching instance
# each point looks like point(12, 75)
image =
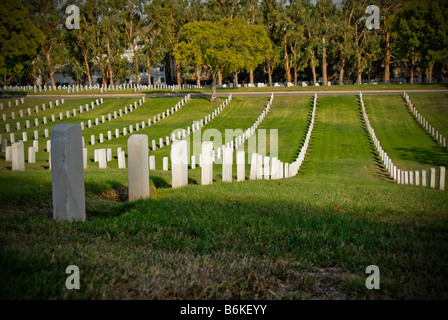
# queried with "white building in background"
point(157, 74)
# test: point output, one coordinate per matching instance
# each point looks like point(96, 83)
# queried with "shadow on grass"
point(433, 157)
point(160, 183)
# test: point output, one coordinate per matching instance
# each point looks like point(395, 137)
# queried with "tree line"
point(275, 40)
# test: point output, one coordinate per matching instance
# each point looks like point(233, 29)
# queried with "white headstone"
point(18, 156)
point(266, 168)
point(102, 158)
point(67, 173)
point(31, 155)
point(227, 164)
point(152, 162)
point(179, 164)
point(207, 163)
point(138, 170)
point(240, 166)
point(432, 178)
point(442, 174)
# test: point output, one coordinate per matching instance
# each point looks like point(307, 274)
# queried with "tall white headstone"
point(138, 170)
point(67, 173)
point(207, 163)
point(442, 174)
point(18, 156)
point(179, 164)
point(240, 166)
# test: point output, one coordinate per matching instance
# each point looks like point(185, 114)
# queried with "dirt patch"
point(115, 194)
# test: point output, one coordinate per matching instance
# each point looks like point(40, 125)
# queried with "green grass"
point(352, 87)
point(408, 145)
point(434, 108)
point(310, 236)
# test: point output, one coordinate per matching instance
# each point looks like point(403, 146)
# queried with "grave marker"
point(67, 173)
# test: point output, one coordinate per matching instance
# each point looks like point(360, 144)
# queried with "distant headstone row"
point(295, 166)
point(417, 178)
point(21, 113)
point(103, 88)
point(424, 123)
point(45, 120)
point(22, 100)
point(139, 125)
point(181, 134)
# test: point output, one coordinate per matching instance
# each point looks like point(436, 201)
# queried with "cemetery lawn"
point(310, 236)
point(350, 87)
point(409, 145)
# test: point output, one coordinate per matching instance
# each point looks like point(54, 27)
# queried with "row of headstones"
point(67, 168)
point(40, 87)
point(32, 150)
point(45, 121)
point(418, 178)
point(241, 139)
point(295, 166)
point(398, 175)
point(29, 111)
point(424, 123)
point(22, 100)
point(110, 117)
point(15, 153)
point(165, 86)
point(138, 126)
point(195, 126)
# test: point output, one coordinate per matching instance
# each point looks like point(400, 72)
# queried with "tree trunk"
point(359, 80)
point(149, 66)
point(86, 62)
point(50, 69)
point(341, 72)
point(179, 80)
point(214, 76)
point(198, 75)
point(387, 59)
point(137, 73)
point(313, 68)
point(295, 75)
point(287, 69)
point(219, 78)
point(429, 72)
point(324, 63)
point(251, 75)
point(270, 79)
point(235, 79)
point(34, 73)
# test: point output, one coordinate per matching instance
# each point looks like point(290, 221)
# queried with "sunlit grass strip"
point(398, 175)
point(295, 166)
point(424, 123)
point(23, 115)
point(197, 124)
point(64, 114)
point(241, 139)
point(137, 125)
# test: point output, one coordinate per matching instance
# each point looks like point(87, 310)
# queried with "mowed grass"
point(408, 145)
point(311, 236)
point(290, 116)
point(434, 108)
point(340, 146)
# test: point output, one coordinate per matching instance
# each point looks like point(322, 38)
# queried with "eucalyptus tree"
point(169, 16)
point(49, 17)
point(20, 41)
point(409, 26)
